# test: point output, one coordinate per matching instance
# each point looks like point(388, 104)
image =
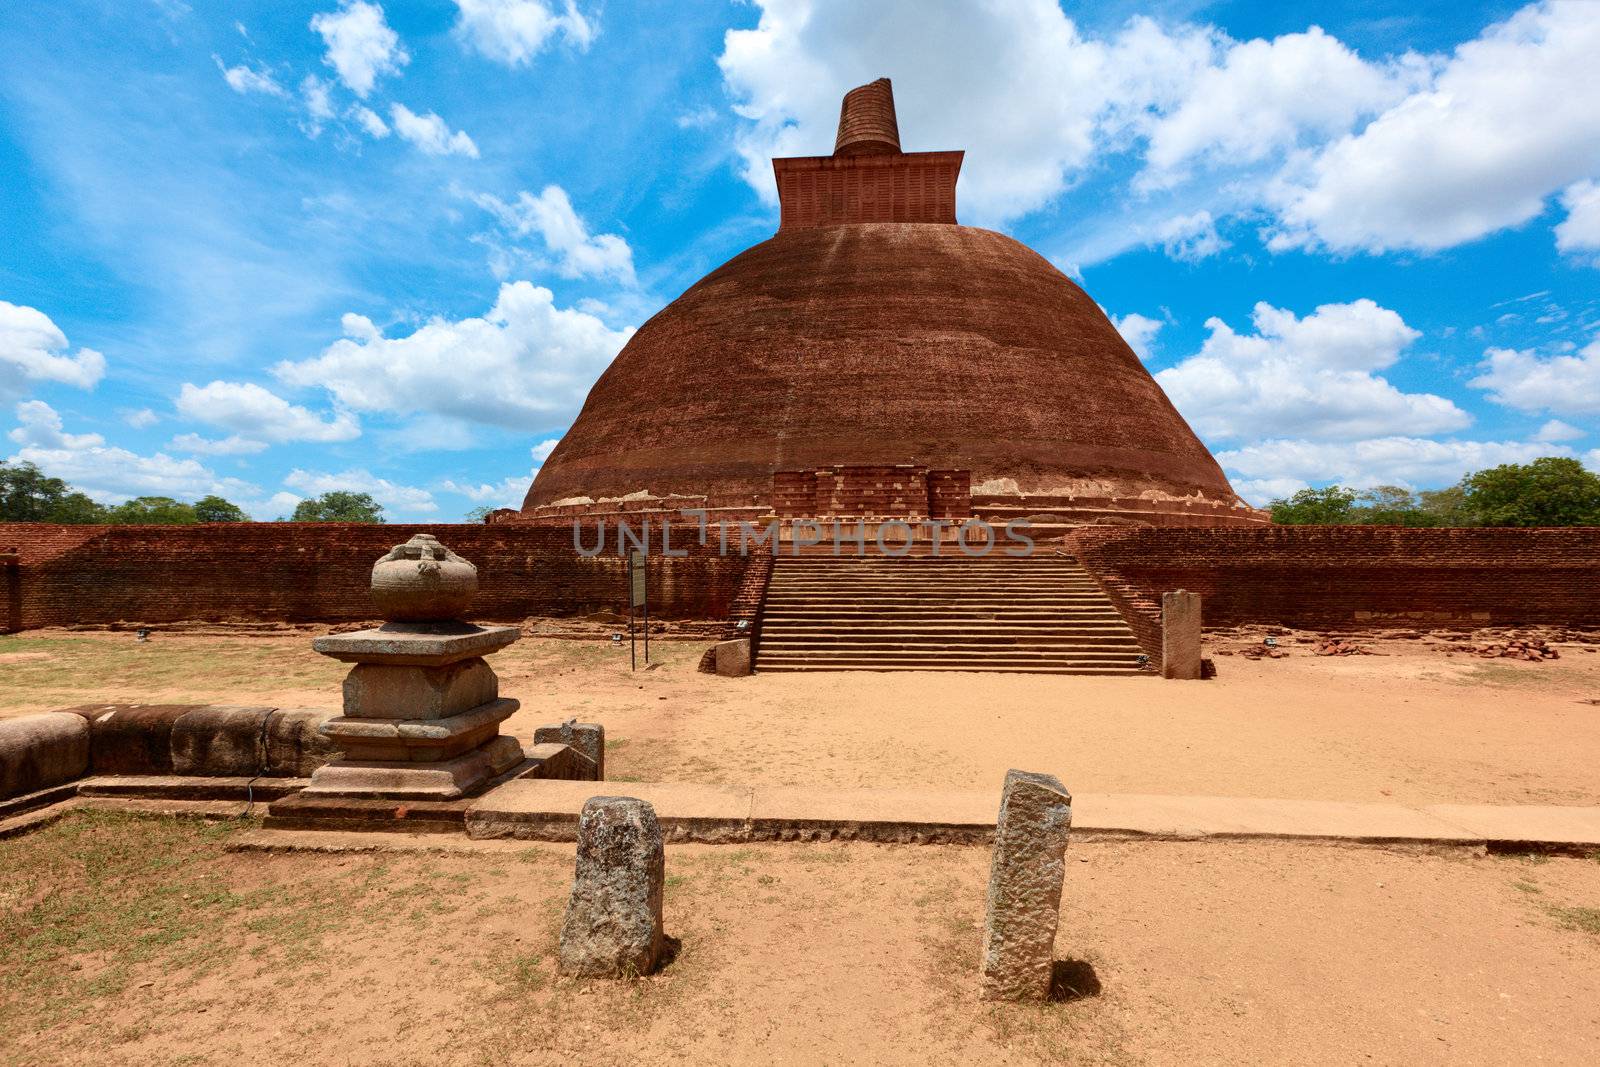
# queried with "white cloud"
point(245, 79)
point(370, 121)
point(1556, 430)
point(1591, 459)
point(430, 134)
point(318, 99)
point(1273, 467)
point(260, 414)
point(41, 428)
point(1564, 384)
point(33, 349)
point(580, 254)
point(1139, 331)
point(233, 445)
point(385, 492)
point(141, 419)
point(109, 474)
point(1580, 230)
point(527, 364)
point(360, 45)
point(1262, 97)
point(1312, 377)
point(1509, 120)
point(1189, 237)
point(510, 491)
point(514, 31)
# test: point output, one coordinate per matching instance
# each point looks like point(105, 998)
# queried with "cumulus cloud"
point(509, 491)
point(1312, 377)
point(429, 133)
point(550, 215)
point(33, 349)
point(360, 45)
point(385, 492)
point(1580, 230)
point(1286, 464)
point(1336, 150)
point(514, 31)
point(41, 427)
point(527, 364)
point(1563, 384)
point(259, 414)
point(246, 79)
point(1556, 430)
point(107, 473)
point(317, 97)
point(233, 445)
point(142, 419)
point(1508, 120)
point(1260, 97)
point(1139, 331)
point(1189, 237)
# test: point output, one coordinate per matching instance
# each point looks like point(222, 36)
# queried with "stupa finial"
point(866, 121)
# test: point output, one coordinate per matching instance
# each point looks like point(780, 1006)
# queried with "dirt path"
point(143, 943)
point(1415, 726)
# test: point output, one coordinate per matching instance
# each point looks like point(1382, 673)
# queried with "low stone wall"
point(319, 572)
point(1357, 577)
point(200, 740)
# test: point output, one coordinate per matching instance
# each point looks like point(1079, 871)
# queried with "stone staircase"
point(1041, 615)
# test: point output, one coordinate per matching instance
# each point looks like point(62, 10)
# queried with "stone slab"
point(806, 813)
point(542, 810)
point(345, 729)
point(1524, 826)
point(1192, 817)
point(417, 644)
point(131, 738)
point(310, 812)
point(295, 745)
point(588, 738)
point(442, 780)
point(184, 787)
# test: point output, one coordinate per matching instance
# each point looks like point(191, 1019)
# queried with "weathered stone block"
point(296, 746)
point(1180, 635)
point(1025, 876)
point(132, 738)
point(39, 751)
point(733, 657)
point(613, 924)
point(588, 738)
point(373, 691)
point(441, 780)
point(220, 741)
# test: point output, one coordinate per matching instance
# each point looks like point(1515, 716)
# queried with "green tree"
point(1550, 491)
point(1315, 507)
point(1447, 506)
point(27, 495)
point(216, 509)
point(1391, 505)
point(480, 513)
point(153, 511)
point(339, 506)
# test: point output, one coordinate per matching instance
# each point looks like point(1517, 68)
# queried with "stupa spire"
point(866, 121)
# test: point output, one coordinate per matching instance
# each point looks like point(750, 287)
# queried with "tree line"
point(28, 495)
point(1552, 491)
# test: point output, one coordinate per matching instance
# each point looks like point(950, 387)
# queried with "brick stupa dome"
point(872, 329)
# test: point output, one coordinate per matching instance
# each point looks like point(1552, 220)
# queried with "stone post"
point(613, 923)
point(1025, 876)
point(733, 657)
point(1180, 635)
point(422, 709)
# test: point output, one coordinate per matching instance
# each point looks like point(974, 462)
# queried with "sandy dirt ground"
point(1170, 953)
point(1412, 726)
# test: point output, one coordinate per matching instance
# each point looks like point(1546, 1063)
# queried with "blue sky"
point(272, 248)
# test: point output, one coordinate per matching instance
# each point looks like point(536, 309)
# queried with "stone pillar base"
point(448, 779)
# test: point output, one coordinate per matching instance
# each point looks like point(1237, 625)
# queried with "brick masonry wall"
point(1334, 577)
point(68, 575)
